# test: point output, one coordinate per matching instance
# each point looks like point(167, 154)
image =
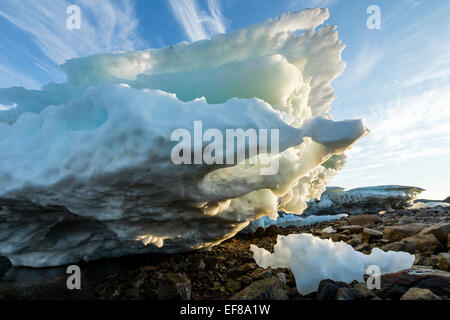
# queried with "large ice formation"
point(363, 200)
point(312, 259)
point(86, 169)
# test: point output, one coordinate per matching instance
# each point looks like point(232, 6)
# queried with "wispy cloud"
point(196, 23)
point(300, 4)
point(105, 26)
point(413, 127)
point(363, 65)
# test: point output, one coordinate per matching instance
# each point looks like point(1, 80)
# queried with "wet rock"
point(328, 289)
point(348, 294)
point(443, 261)
point(396, 233)
point(370, 235)
point(363, 219)
point(419, 294)
point(266, 289)
point(175, 286)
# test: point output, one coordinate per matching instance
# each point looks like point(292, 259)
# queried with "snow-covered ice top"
point(85, 166)
point(363, 200)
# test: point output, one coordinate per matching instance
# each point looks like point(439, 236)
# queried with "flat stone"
point(371, 235)
point(419, 294)
point(363, 219)
point(396, 233)
point(394, 285)
point(352, 229)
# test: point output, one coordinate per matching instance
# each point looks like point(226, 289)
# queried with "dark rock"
point(266, 289)
point(328, 289)
point(260, 232)
point(5, 265)
point(272, 230)
point(394, 285)
point(175, 286)
point(348, 294)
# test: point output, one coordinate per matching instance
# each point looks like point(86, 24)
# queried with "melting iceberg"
point(86, 169)
point(312, 259)
point(363, 200)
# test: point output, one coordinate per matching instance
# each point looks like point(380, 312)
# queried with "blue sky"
point(397, 78)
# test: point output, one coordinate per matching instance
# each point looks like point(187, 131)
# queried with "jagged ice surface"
point(363, 200)
point(312, 259)
point(85, 166)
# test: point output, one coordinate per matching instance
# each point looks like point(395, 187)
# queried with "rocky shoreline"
point(228, 271)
